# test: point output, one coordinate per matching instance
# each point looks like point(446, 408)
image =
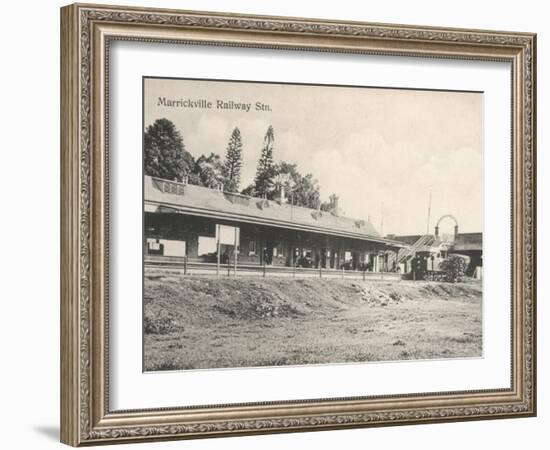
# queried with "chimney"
point(282, 197)
point(334, 204)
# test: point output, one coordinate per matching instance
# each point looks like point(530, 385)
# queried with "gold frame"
point(86, 31)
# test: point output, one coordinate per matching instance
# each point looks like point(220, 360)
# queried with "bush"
point(454, 268)
point(159, 325)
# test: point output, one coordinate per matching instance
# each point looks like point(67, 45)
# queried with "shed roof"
point(163, 195)
point(468, 241)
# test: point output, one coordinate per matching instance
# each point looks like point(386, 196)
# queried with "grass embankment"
point(198, 322)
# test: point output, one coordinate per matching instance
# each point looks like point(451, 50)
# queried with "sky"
point(384, 152)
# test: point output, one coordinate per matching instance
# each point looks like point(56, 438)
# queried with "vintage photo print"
point(294, 224)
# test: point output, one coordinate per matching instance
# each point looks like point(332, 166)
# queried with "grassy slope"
point(198, 322)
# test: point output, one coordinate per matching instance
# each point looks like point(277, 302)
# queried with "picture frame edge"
point(85, 418)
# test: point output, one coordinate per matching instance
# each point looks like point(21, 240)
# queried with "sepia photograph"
point(289, 224)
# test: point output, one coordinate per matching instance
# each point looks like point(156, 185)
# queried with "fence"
point(199, 268)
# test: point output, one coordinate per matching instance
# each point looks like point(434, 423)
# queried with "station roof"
point(168, 196)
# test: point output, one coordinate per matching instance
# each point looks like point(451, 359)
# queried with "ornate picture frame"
point(87, 31)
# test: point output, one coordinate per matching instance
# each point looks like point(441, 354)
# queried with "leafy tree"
point(326, 206)
point(307, 193)
point(208, 171)
point(233, 161)
point(302, 190)
point(250, 190)
point(194, 177)
point(165, 155)
point(454, 268)
point(329, 206)
point(281, 181)
point(265, 172)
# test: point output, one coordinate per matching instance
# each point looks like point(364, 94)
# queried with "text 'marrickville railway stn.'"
point(186, 224)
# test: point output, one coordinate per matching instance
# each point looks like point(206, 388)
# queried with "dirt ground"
point(204, 322)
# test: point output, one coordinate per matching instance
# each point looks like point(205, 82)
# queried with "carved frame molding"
point(86, 33)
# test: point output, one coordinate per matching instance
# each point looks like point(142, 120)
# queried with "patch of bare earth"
point(202, 322)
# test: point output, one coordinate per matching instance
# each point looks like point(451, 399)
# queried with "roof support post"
point(218, 250)
point(235, 251)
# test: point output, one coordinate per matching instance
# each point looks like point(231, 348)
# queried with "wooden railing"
point(187, 267)
point(170, 187)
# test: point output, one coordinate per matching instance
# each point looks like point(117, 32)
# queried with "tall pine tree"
point(233, 162)
point(265, 173)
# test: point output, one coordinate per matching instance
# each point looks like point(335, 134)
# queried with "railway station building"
point(197, 223)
